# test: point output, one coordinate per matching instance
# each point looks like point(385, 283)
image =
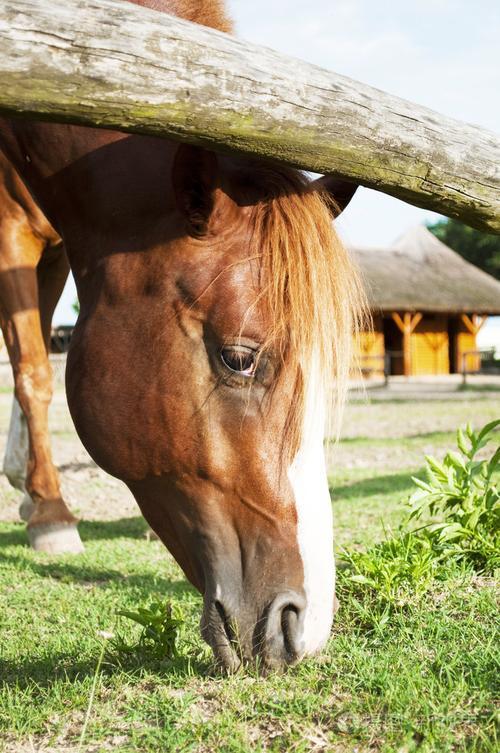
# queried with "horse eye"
point(239, 359)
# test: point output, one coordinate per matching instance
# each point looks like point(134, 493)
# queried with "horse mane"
point(205, 12)
point(312, 288)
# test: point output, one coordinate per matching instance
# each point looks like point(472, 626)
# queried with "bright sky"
point(440, 53)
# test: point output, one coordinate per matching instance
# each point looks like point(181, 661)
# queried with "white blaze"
point(308, 478)
point(16, 454)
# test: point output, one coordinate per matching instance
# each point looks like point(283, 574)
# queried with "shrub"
point(462, 496)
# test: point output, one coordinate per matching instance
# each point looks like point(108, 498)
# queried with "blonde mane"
point(312, 288)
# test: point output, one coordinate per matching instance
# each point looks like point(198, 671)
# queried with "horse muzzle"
point(271, 637)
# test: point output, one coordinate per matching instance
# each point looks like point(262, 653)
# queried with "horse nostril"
point(291, 631)
point(275, 637)
point(284, 628)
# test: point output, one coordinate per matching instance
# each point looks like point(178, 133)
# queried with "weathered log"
point(111, 64)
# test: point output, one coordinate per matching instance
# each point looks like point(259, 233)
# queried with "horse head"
point(200, 372)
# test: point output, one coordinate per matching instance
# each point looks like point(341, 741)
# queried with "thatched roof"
point(419, 273)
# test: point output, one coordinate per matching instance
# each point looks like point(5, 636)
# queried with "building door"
point(393, 343)
point(453, 329)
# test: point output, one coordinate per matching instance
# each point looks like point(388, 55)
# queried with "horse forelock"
point(311, 288)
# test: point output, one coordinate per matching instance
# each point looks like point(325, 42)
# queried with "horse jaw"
point(308, 479)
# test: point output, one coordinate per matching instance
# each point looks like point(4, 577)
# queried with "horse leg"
point(52, 273)
point(51, 526)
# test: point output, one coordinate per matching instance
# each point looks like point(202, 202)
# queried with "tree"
point(481, 249)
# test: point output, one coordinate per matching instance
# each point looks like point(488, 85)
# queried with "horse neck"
point(205, 12)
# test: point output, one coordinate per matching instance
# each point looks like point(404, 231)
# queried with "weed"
point(159, 635)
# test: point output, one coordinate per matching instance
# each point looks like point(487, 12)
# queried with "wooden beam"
point(407, 344)
point(475, 323)
point(409, 321)
point(414, 321)
point(479, 322)
point(468, 323)
point(406, 326)
point(399, 322)
point(112, 64)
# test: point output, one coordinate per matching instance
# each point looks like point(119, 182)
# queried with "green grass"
point(367, 503)
point(423, 677)
point(478, 388)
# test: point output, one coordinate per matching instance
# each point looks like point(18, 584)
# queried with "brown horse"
point(217, 310)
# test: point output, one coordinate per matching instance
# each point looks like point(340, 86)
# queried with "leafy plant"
point(462, 502)
point(462, 496)
point(160, 631)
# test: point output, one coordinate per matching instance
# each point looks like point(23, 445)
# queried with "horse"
point(217, 308)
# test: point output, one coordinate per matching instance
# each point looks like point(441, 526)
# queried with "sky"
point(443, 54)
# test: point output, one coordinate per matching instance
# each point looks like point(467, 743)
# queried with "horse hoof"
point(26, 507)
point(56, 538)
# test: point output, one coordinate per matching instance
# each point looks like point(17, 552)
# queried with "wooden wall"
point(429, 346)
point(437, 343)
point(464, 330)
point(465, 342)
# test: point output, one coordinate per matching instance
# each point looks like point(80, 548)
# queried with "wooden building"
point(427, 303)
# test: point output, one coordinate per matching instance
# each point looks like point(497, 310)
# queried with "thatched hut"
point(428, 304)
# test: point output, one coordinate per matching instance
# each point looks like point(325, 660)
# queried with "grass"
point(421, 677)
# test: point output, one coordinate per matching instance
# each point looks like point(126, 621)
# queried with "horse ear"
point(341, 191)
point(194, 178)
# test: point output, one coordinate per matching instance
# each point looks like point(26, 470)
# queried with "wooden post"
point(113, 64)
point(406, 326)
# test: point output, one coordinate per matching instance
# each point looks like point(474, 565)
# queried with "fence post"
point(387, 367)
